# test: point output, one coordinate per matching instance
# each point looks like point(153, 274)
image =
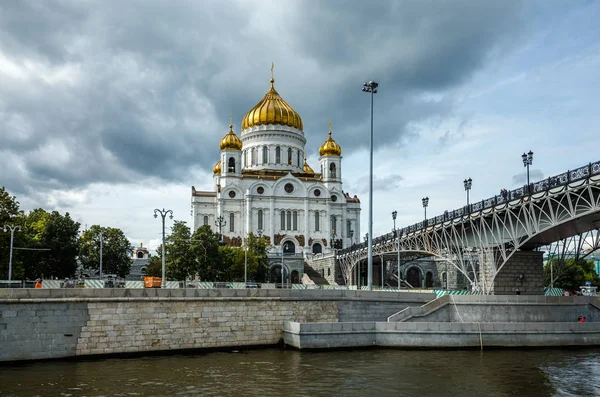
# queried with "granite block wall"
point(40, 330)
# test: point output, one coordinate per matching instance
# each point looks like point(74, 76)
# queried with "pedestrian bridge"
point(482, 237)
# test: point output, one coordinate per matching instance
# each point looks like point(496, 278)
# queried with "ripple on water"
point(276, 372)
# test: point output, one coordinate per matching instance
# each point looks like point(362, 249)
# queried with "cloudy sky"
point(109, 109)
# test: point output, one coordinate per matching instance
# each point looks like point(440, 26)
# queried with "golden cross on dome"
point(231, 118)
point(329, 126)
point(272, 67)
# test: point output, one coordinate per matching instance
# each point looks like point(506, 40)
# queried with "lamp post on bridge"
point(527, 161)
point(163, 213)
point(13, 229)
point(394, 215)
point(425, 202)
point(371, 88)
point(468, 183)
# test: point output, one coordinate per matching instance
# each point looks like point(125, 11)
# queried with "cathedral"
point(264, 185)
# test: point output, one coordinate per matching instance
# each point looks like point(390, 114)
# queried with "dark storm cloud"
point(112, 91)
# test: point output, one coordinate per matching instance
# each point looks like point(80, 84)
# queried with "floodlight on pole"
point(371, 88)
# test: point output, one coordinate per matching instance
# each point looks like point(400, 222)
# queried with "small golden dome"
point(307, 168)
point(231, 141)
point(330, 147)
point(217, 168)
point(272, 109)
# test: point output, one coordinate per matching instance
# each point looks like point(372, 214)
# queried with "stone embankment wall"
point(440, 335)
point(464, 322)
point(40, 324)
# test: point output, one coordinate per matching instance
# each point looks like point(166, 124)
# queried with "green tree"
point(154, 267)
point(571, 274)
point(205, 248)
point(116, 250)
point(259, 248)
point(180, 259)
point(57, 235)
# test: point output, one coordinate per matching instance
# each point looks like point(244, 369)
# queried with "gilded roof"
point(307, 168)
point(231, 141)
point(272, 109)
point(330, 147)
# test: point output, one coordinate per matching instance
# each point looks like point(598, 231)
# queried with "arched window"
point(290, 156)
point(282, 220)
point(140, 254)
point(231, 165)
point(231, 222)
point(289, 220)
point(255, 156)
point(300, 157)
point(205, 220)
point(265, 155)
point(348, 228)
point(277, 155)
point(317, 226)
point(252, 157)
point(295, 221)
point(244, 159)
point(332, 170)
point(260, 220)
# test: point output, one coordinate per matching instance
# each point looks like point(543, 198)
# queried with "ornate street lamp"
point(371, 88)
point(527, 161)
point(220, 222)
point(425, 202)
point(12, 229)
point(163, 213)
point(468, 183)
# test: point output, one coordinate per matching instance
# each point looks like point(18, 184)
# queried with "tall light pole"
point(394, 215)
point(101, 252)
point(163, 213)
point(425, 202)
point(245, 263)
point(12, 229)
point(468, 183)
point(370, 87)
point(527, 161)
point(282, 268)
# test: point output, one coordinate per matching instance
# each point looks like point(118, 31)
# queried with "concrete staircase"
point(314, 275)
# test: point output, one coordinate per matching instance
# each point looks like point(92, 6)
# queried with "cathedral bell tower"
point(331, 162)
point(231, 154)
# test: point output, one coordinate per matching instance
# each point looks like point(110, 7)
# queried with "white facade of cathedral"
point(263, 185)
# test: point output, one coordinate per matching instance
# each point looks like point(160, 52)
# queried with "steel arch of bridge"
point(491, 231)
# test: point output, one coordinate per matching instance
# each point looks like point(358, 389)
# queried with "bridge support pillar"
point(525, 271)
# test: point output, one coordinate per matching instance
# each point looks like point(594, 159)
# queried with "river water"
point(278, 372)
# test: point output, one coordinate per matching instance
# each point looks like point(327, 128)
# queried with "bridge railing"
point(505, 196)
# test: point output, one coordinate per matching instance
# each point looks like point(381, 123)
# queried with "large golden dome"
point(217, 168)
point(272, 109)
point(231, 141)
point(330, 147)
